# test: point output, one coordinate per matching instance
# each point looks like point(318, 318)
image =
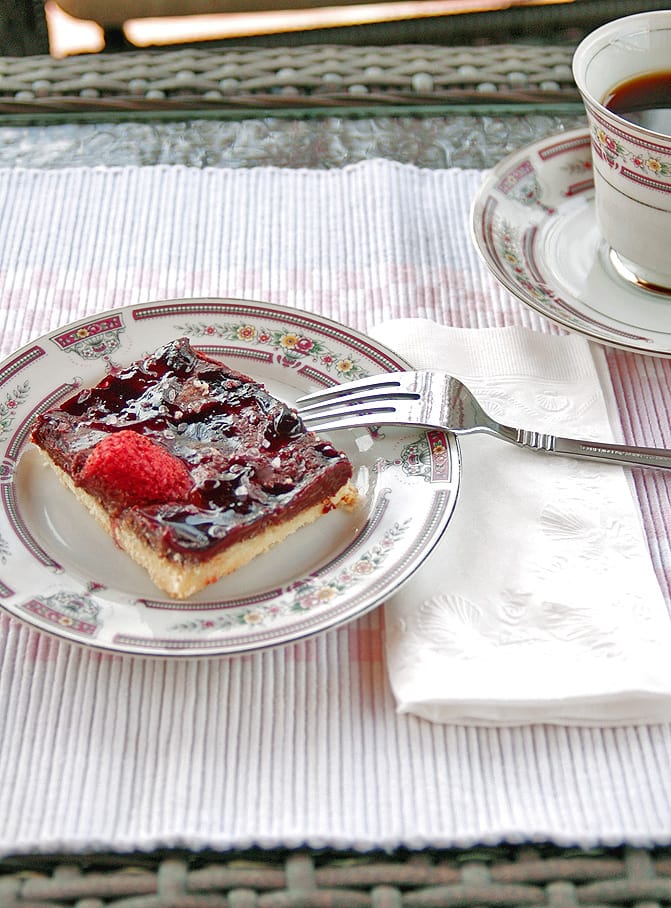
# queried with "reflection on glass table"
point(458, 140)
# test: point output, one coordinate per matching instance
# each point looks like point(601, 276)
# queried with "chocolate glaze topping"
point(251, 460)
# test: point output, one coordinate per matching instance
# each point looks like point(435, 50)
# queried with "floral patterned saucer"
point(534, 225)
point(63, 574)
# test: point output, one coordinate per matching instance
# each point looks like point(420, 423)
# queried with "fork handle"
point(606, 452)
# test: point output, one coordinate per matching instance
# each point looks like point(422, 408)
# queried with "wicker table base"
point(506, 876)
point(305, 78)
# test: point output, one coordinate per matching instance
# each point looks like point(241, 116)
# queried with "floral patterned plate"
point(63, 574)
point(534, 225)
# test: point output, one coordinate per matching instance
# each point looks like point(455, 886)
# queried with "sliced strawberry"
point(127, 469)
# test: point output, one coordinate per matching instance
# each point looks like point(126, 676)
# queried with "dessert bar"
point(193, 467)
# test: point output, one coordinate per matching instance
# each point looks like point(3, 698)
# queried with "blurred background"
point(69, 35)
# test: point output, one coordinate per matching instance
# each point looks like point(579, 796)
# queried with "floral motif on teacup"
point(644, 159)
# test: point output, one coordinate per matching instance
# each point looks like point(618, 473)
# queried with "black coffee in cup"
point(644, 100)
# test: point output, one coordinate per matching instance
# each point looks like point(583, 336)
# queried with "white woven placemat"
point(300, 744)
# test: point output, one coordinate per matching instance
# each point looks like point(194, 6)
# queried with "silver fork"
point(435, 400)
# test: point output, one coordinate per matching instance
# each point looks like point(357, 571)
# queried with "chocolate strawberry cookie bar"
point(193, 468)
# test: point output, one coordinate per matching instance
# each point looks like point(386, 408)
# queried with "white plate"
point(63, 574)
point(534, 225)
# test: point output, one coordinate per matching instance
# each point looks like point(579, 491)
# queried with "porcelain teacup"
point(632, 162)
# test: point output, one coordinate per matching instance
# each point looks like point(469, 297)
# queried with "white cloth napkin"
point(540, 603)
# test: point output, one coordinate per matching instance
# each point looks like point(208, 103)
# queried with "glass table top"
point(466, 140)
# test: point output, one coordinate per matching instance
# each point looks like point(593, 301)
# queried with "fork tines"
point(354, 400)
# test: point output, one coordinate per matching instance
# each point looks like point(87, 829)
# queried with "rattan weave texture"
point(504, 876)
point(308, 76)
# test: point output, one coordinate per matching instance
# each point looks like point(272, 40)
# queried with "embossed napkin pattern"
point(540, 604)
